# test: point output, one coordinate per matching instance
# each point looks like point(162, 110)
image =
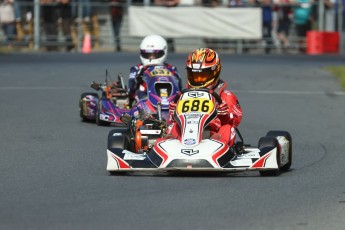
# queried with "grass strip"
point(339, 72)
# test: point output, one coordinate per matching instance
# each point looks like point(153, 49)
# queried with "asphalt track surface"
point(52, 167)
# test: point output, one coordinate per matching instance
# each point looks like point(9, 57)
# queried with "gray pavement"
point(52, 167)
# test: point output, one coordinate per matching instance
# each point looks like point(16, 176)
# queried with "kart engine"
point(147, 134)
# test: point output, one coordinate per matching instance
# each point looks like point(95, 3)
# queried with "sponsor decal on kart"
point(152, 131)
point(195, 94)
point(189, 152)
point(193, 122)
point(249, 155)
point(191, 116)
point(105, 117)
point(189, 141)
point(165, 101)
point(133, 156)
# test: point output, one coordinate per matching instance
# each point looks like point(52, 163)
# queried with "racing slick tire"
point(270, 142)
point(81, 112)
point(119, 138)
point(287, 135)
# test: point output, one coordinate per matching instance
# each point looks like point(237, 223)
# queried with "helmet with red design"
point(203, 68)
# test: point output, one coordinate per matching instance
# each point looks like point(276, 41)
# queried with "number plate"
point(201, 105)
point(160, 72)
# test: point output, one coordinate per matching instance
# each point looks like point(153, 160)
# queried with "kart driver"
point(153, 52)
point(203, 69)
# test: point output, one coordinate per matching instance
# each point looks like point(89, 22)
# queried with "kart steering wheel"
point(213, 93)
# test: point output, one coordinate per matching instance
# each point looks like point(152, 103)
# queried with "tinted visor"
point(199, 79)
point(152, 54)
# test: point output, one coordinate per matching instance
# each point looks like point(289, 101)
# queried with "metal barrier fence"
point(34, 33)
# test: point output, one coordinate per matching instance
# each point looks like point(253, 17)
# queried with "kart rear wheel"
point(82, 96)
point(287, 135)
point(271, 142)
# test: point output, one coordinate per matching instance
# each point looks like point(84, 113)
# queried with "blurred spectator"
point(17, 12)
point(49, 16)
point(188, 2)
point(253, 3)
point(86, 9)
point(208, 3)
point(82, 16)
point(329, 15)
point(236, 3)
point(209, 42)
point(24, 22)
point(117, 10)
point(302, 19)
point(137, 2)
point(168, 3)
point(141, 2)
point(246, 43)
point(336, 6)
point(284, 15)
point(65, 16)
point(8, 19)
point(267, 23)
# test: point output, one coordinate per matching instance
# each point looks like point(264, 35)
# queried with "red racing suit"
point(222, 127)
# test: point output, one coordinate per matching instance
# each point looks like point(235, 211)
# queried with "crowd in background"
point(278, 17)
point(9, 15)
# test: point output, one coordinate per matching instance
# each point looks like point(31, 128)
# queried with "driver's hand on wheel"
point(223, 109)
point(172, 108)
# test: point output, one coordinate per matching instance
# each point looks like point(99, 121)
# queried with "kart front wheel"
point(287, 135)
point(119, 138)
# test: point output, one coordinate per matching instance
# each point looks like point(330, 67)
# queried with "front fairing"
point(162, 86)
point(194, 111)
